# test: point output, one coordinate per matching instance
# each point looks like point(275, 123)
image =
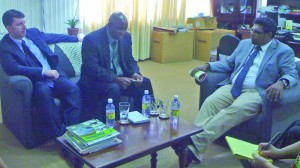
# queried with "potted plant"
point(72, 23)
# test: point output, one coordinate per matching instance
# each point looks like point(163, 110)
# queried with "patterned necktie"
point(115, 59)
point(33, 60)
point(238, 84)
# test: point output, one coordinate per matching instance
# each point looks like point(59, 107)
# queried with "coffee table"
point(139, 140)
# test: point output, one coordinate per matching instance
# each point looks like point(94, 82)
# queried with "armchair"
point(274, 117)
point(227, 45)
point(16, 93)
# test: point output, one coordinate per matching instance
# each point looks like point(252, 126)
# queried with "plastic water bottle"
point(146, 104)
point(175, 110)
point(110, 113)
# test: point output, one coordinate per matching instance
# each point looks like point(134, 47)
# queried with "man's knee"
point(41, 91)
point(113, 90)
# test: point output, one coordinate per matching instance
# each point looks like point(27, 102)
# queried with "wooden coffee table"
point(139, 140)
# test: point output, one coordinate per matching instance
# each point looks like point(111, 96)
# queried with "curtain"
point(142, 15)
point(56, 13)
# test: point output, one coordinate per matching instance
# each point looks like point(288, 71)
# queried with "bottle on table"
point(146, 104)
point(175, 110)
point(110, 113)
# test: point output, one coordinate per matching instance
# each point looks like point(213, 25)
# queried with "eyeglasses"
point(122, 30)
point(256, 31)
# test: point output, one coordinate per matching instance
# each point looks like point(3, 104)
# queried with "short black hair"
point(8, 16)
point(268, 24)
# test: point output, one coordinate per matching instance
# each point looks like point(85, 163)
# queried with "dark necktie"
point(33, 60)
point(238, 84)
point(115, 59)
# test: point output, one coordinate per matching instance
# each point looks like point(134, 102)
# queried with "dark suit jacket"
point(96, 57)
point(95, 67)
point(14, 62)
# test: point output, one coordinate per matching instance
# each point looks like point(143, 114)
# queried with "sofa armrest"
point(210, 84)
point(16, 93)
point(291, 95)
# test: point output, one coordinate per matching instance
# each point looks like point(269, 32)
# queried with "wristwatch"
point(285, 82)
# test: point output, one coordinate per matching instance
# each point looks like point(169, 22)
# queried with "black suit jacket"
point(96, 57)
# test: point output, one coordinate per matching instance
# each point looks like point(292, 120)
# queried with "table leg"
point(153, 160)
point(77, 163)
point(183, 152)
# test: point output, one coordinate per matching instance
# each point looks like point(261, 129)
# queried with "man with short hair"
point(109, 69)
point(260, 66)
point(26, 52)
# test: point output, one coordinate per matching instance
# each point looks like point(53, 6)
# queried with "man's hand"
point(138, 79)
point(124, 82)
point(274, 92)
point(204, 68)
point(51, 74)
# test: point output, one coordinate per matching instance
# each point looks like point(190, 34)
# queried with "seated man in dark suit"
point(25, 52)
point(109, 69)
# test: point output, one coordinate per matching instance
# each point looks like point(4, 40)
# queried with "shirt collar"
point(17, 41)
point(266, 46)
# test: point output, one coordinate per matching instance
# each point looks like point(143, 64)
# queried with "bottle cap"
point(110, 100)
point(146, 92)
point(175, 96)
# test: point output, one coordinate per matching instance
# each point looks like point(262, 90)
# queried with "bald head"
point(117, 25)
point(117, 17)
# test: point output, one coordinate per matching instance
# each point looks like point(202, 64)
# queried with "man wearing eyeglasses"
point(109, 69)
point(259, 66)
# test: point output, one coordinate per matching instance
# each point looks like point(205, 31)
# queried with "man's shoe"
point(190, 157)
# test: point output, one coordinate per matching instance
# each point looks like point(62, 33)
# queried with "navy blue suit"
point(47, 120)
point(97, 79)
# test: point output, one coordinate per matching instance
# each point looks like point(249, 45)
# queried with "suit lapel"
point(267, 56)
point(106, 51)
point(17, 51)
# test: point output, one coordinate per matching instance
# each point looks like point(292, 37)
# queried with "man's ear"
point(8, 28)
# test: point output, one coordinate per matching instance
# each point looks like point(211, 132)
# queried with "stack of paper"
point(91, 136)
point(136, 117)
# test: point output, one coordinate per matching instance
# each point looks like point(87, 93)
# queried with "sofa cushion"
point(64, 62)
point(73, 53)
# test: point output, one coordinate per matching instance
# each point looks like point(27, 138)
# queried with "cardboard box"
point(166, 47)
point(202, 23)
point(207, 40)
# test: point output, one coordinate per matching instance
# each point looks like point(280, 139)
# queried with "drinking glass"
point(163, 109)
point(154, 103)
point(124, 110)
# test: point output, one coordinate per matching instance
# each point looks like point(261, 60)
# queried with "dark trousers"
point(114, 91)
point(290, 135)
point(50, 121)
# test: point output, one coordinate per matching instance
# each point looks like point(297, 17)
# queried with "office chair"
point(227, 45)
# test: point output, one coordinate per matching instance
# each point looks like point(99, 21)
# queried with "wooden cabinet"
point(231, 13)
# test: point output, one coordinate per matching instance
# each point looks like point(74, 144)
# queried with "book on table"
point(92, 131)
point(91, 136)
point(82, 148)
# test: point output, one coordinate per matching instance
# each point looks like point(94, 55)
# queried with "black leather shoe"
point(190, 157)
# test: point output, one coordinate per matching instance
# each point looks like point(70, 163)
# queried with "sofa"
point(16, 93)
point(275, 116)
